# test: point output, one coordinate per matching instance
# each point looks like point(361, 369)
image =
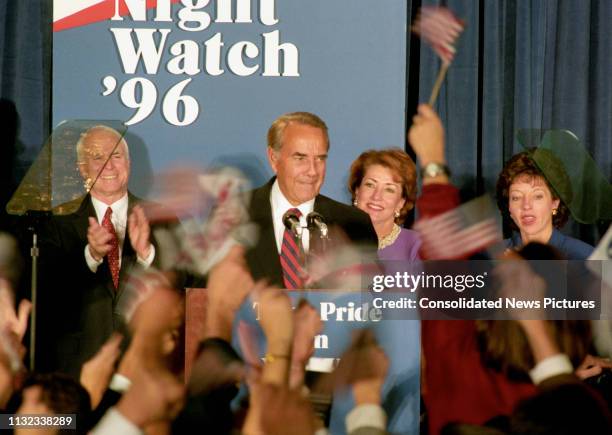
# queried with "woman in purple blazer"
point(383, 184)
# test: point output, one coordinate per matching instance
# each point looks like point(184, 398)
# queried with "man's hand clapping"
point(99, 240)
point(139, 232)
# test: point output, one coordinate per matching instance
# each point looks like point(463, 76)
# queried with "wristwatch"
point(434, 169)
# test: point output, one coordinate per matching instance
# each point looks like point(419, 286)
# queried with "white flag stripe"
point(439, 28)
point(478, 236)
point(437, 221)
point(461, 247)
point(460, 250)
point(460, 232)
point(441, 228)
point(482, 227)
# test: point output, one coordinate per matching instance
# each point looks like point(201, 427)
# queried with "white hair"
point(80, 146)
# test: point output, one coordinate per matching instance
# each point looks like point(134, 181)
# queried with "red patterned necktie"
point(291, 259)
point(113, 255)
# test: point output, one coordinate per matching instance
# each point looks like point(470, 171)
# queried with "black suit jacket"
point(263, 259)
point(77, 308)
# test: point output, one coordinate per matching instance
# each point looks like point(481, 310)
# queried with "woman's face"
point(531, 205)
point(380, 194)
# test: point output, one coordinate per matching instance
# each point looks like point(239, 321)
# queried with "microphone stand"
point(302, 252)
point(324, 239)
point(315, 223)
point(34, 219)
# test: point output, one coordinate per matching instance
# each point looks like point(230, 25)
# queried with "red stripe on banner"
point(100, 12)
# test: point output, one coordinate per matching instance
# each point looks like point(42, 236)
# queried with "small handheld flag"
point(440, 28)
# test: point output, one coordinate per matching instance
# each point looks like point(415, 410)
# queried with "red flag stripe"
point(439, 27)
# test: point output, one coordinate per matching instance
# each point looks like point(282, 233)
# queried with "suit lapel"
point(321, 206)
point(81, 217)
point(265, 252)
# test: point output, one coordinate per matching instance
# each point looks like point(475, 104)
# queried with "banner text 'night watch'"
point(146, 47)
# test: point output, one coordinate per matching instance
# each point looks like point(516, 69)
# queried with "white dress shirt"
point(113, 423)
point(280, 205)
point(555, 365)
point(119, 220)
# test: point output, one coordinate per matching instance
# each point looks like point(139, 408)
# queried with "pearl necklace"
point(389, 238)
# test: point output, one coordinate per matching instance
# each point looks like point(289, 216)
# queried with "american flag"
point(461, 232)
point(440, 28)
point(205, 238)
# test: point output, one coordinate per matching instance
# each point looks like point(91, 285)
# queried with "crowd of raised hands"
point(134, 387)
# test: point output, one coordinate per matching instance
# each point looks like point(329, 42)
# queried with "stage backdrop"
point(201, 81)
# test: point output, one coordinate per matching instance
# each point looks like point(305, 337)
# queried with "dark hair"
point(63, 395)
point(399, 163)
point(566, 408)
point(522, 165)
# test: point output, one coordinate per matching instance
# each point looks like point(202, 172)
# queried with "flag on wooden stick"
point(440, 28)
point(463, 231)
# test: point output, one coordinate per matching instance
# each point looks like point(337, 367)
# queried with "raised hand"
point(99, 240)
point(97, 371)
point(153, 322)
point(155, 396)
point(307, 325)
point(276, 320)
point(228, 285)
point(14, 322)
point(278, 410)
point(518, 280)
point(139, 232)
point(592, 366)
point(426, 136)
point(369, 389)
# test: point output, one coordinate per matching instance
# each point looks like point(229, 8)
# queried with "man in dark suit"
point(87, 255)
point(298, 145)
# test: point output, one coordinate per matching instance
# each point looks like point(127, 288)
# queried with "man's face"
point(112, 183)
point(300, 163)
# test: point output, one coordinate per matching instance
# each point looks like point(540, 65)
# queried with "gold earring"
point(355, 203)
point(397, 214)
point(554, 212)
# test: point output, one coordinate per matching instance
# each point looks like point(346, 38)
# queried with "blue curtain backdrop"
point(523, 64)
point(520, 64)
point(25, 89)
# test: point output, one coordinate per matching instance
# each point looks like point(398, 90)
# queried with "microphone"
point(315, 220)
point(292, 223)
